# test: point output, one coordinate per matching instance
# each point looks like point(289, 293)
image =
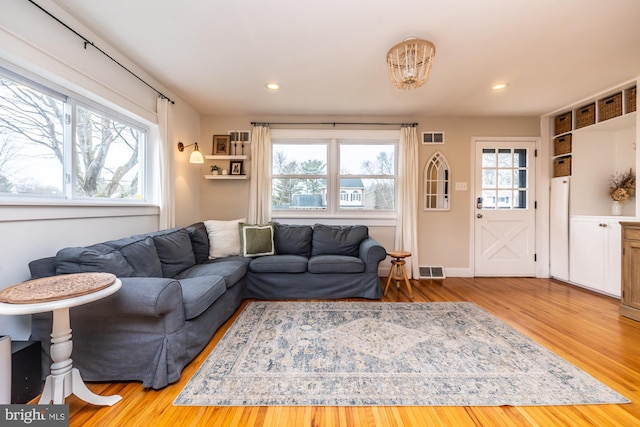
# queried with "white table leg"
point(64, 379)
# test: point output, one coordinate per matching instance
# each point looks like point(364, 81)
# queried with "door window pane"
point(504, 178)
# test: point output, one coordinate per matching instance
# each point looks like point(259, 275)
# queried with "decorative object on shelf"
point(215, 170)
point(221, 144)
point(621, 188)
point(616, 208)
point(196, 156)
point(410, 62)
point(236, 167)
point(225, 172)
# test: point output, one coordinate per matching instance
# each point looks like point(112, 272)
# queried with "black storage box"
point(26, 371)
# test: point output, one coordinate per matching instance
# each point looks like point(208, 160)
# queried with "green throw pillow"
point(256, 240)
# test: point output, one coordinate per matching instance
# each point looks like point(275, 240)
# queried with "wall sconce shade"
point(196, 156)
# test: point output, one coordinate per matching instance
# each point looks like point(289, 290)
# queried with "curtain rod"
point(335, 123)
point(88, 42)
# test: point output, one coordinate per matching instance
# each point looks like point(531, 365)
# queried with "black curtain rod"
point(334, 123)
point(87, 41)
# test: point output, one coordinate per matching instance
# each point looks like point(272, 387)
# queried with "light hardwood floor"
point(580, 326)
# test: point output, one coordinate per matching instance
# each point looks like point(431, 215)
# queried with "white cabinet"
point(595, 253)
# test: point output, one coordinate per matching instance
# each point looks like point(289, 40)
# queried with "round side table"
point(398, 272)
point(58, 294)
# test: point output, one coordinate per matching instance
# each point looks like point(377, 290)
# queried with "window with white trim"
point(56, 146)
point(334, 173)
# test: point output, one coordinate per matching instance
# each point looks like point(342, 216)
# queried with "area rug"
point(383, 354)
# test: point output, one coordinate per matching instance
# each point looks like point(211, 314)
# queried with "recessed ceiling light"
point(500, 86)
point(272, 86)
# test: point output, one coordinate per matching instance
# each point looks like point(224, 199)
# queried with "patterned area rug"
point(383, 354)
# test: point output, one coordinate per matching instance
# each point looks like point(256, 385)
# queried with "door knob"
point(479, 216)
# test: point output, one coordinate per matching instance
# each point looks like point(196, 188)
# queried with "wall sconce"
point(196, 156)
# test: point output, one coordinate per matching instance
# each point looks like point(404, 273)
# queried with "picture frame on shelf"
point(236, 167)
point(221, 144)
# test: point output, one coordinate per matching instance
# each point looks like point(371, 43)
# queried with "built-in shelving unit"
point(592, 141)
point(610, 111)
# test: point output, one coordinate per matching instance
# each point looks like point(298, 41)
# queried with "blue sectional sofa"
point(174, 297)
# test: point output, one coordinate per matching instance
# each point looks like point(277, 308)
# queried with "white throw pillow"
point(224, 237)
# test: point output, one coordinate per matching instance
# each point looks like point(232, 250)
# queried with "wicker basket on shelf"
point(610, 107)
point(562, 166)
point(562, 145)
point(562, 123)
point(586, 115)
point(631, 100)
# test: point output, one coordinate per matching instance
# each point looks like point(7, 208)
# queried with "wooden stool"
point(398, 271)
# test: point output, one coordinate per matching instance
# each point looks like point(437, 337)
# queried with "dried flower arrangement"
point(623, 186)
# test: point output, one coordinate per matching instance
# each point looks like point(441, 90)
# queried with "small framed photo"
point(221, 144)
point(236, 167)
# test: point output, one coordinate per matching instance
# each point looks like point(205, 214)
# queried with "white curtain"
point(166, 169)
point(407, 224)
point(260, 187)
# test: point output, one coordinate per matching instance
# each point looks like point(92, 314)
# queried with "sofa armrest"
point(140, 297)
point(372, 253)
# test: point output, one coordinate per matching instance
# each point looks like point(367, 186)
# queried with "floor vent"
point(436, 272)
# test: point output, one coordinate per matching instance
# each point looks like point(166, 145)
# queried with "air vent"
point(432, 138)
point(434, 272)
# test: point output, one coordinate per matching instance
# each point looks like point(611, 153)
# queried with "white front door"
point(504, 208)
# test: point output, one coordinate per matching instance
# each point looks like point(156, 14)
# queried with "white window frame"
point(333, 214)
point(71, 102)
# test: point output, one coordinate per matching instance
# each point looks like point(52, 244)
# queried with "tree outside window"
point(37, 156)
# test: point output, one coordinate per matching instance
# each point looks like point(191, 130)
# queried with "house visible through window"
point(56, 146)
point(324, 174)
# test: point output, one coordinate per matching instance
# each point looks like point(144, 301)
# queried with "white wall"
point(35, 44)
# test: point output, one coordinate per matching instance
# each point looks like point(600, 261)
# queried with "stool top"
point(56, 288)
point(399, 254)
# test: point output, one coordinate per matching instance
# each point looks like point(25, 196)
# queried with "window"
point(504, 178)
point(324, 173)
point(56, 146)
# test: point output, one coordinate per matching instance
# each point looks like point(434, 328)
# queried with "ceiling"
point(329, 55)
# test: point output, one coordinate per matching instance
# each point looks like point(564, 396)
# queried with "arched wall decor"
point(437, 188)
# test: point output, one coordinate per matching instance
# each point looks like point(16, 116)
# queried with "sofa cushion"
point(335, 264)
point(231, 271)
point(256, 240)
point(338, 239)
point(199, 241)
point(224, 237)
point(279, 264)
point(174, 250)
point(198, 293)
point(140, 253)
point(91, 259)
point(292, 239)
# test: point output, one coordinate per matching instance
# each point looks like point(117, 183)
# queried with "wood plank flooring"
point(581, 326)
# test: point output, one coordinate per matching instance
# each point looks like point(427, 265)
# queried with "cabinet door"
point(631, 274)
point(587, 253)
point(612, 284)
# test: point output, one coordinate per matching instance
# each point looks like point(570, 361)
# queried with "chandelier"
point(410, 62)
